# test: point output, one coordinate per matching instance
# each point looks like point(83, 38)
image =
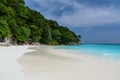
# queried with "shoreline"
point(103, 57)
point(46, 63)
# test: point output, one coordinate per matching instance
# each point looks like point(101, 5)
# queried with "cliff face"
point(23, 24)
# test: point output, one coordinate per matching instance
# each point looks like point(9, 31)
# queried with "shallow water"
point(106, 51)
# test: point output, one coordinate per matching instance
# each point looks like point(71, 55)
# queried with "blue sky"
point(98, 21)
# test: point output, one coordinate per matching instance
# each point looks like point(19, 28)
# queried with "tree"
point(56, 35)
point(23, 24)
point(46, 35)
point(21, 2)
point(4, 29)
point(3, 9)
point(23, 34)
point(35, 35)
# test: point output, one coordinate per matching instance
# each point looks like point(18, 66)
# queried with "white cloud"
point(88, 16)
point(82, 15)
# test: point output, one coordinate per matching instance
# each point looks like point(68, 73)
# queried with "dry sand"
point(10, 69)
point(51, 64)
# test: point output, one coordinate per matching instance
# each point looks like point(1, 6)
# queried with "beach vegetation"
point(24, 25)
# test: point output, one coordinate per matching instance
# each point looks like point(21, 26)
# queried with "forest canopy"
point(24, 25)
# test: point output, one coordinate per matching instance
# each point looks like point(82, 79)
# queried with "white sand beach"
point(52, 64)
point(45, 63)
point(10, 69)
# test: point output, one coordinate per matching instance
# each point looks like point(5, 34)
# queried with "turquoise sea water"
point(106, 51)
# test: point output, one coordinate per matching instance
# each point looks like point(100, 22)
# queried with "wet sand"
point(51, 64)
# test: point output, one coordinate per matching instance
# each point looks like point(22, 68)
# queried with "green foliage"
point(11, 12)
point(68, 37)
point(46, 35)
point(22, 11)
point(35, 35)
point(4, 29)
point(14, 28)
point(26, 25)
point(56, 35)
point(3, 9)
point(21, 2)
point(23, 34)
point(53, 42)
